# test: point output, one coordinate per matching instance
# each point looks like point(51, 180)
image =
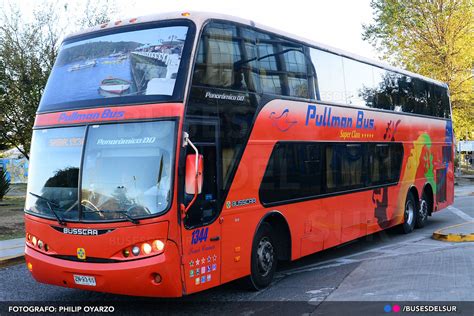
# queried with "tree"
point(4, 184)
point(433, 38)
point(27, 54)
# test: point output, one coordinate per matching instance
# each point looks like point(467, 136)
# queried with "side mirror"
point(194, 177)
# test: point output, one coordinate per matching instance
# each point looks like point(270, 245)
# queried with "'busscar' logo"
point(82, 231)
point(244, 202)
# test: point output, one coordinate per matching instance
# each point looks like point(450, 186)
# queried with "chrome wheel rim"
point(423, 212)
point(265, 256)
point(409, 212)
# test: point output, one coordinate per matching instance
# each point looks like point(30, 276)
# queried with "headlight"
point(136, 250)
point(146, 248)
point(158, 245)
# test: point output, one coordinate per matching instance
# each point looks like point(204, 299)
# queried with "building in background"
point(466, 149)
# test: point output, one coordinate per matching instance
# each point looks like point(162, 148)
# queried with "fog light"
point(158, 245)
point(40, 244)
point(146, 248)
point(136, 250)
point(157, 278)
point(33, 240)
point(30, 266)
point(126, 253)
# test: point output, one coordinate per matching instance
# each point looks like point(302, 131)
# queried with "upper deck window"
point(127, 66)
point(240, 58)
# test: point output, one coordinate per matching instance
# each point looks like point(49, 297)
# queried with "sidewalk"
point(11, 249)
point(465, 190)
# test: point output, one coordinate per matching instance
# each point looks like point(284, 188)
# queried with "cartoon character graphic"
point(419, 162)
point(282, 121)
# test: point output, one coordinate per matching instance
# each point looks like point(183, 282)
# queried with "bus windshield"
point(129, 66)
point(125, 173)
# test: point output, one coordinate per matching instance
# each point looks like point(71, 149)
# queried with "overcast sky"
point(337, 23)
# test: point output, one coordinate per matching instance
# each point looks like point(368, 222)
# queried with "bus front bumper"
point(135, 277)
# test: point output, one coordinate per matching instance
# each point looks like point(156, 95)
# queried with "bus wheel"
point(422, 214)
point(264, 258)
point(409, 214)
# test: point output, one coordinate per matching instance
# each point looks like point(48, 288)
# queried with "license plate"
point(84, 280)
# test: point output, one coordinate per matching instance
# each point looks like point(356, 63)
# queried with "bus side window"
point(330, 75)
point(344, 166)
point(385, 163)
point(283, 67)
point(293, 172)
point(224, 58)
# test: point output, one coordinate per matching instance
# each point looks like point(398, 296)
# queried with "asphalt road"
point(386, 266)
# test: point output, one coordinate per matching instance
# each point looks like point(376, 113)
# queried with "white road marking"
point(383, 254)
point(386, 251)
point(461, 214)
point(319, 295)
point(324, 289)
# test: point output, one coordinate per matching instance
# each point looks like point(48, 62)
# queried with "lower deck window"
point(303, 170)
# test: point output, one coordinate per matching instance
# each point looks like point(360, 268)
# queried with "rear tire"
point(422, 212)
point(409, 214)
point(263, 258)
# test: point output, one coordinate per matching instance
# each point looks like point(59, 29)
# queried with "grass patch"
point(11, 213)
point(17, 233)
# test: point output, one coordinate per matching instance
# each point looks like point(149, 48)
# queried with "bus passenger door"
point(201, 230)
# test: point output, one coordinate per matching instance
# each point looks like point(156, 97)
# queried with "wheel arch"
point(282, 231)
point(416, 195)
point(428, 189)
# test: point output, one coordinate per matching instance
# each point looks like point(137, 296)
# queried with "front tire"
point(409, 214)
point(264, 258)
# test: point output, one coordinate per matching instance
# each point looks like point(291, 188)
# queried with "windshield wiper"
point(94, 209)
point(49, 203)
point(128, 217)
point(125, 215)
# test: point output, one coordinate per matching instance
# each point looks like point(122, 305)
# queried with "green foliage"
point(433, 38)
point(27, 54)
point(4, 184)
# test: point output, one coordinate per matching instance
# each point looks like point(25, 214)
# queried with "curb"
point(8, 261)
point(453, 237)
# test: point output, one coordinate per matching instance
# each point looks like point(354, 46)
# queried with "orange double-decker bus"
point(178, 152)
